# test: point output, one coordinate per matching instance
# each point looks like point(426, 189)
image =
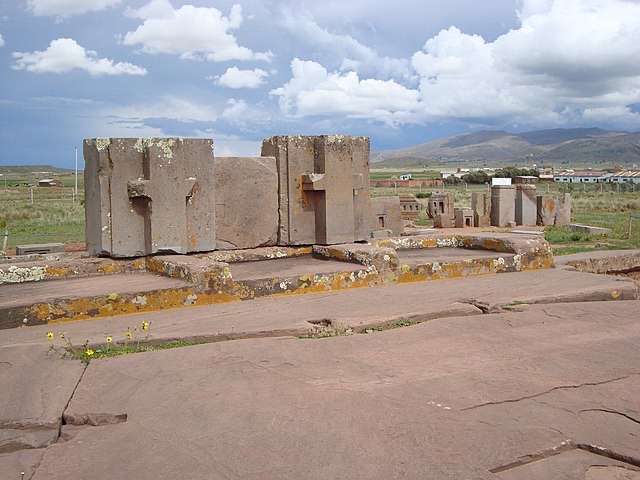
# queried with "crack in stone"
point(567, 446)
point(615, 412)
point(561, 387)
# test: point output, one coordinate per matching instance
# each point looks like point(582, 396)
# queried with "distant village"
point(559, 176)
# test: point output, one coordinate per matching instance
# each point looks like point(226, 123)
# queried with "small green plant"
point(136, 341)
point(403, 322)
point(326, 331)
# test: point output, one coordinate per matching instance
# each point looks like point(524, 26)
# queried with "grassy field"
point(52, 214)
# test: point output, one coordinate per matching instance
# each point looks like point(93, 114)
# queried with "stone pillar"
point(503, 205)
point(323, 188)
point(149, 195)
point(546, 210)
point(526, 205)
point(481, 206)
point(563, 209)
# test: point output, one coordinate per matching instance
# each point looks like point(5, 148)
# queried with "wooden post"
point(4, 241)
point(630, 223)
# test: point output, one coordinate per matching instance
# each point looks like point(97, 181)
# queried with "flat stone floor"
point(28, 293)
point(285, 267)
point(462, 397)
point(544, 391)
point(418, 256)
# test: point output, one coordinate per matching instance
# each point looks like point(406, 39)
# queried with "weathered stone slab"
point(246, 202)
point(546, 210)
point(526, 206)
point(323, 188)
point(563, 210)
point(40, 248)
point(440, 210)
point(149, 195)
point(386, 216)
point(588, 229)
point(481, 206)
point(503, 205)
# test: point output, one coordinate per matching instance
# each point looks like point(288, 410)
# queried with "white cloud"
point(191, 32)
point(236, 78)
point(314, 91)
point(570, 62)
point(65, 54)
point(1, 41)
point(65, 8)
point(353, 55)
point(172, 108)
point(226, 145)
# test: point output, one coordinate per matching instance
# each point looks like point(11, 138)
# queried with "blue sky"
point(402, 72)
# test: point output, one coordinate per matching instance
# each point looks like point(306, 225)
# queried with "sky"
point(402, 72)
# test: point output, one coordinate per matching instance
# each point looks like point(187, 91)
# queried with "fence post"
point(630, 223)
point(4, 241)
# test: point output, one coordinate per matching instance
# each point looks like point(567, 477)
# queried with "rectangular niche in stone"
point(149, 195)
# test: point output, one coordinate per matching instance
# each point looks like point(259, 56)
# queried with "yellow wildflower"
point(62, 334)
point(89, 352)
point(109, 339)
point(145, 325)
point(128, 334)
point(50, 335)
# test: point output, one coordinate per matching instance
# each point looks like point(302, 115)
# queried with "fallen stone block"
point(563, 210)
point(323, 187)
point(386, 216)
point(149, 195)
point(246, 202)
point(576, 227)
point(546, 210)
point(40, 248)
point(503, 205)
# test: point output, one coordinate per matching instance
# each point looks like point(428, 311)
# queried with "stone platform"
point(75, 288)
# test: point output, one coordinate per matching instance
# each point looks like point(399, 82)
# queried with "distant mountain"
point(492, 147)
point(28, 169)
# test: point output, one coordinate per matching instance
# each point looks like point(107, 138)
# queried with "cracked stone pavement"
point(548, 391)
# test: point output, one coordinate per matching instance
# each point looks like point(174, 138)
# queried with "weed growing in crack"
point(136, 341)
point(403, 322)
point(326, 331)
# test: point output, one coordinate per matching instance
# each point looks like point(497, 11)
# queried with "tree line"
point(481, 177)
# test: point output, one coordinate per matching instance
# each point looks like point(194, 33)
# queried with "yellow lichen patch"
point(108, 268)
point(140, 264)
point(615, 294)
point(409, 277)
point(57, 272)
point(493, 244)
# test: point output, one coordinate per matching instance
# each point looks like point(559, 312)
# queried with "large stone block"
point(323, 188)
point(440, 209)
point(246, 202)
point(563, 209)
point(546, 210)
point(481, 206)
point(149, 195)
point(386, 215)
point(526, 205)
point(503, 205)
point(464, 217)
